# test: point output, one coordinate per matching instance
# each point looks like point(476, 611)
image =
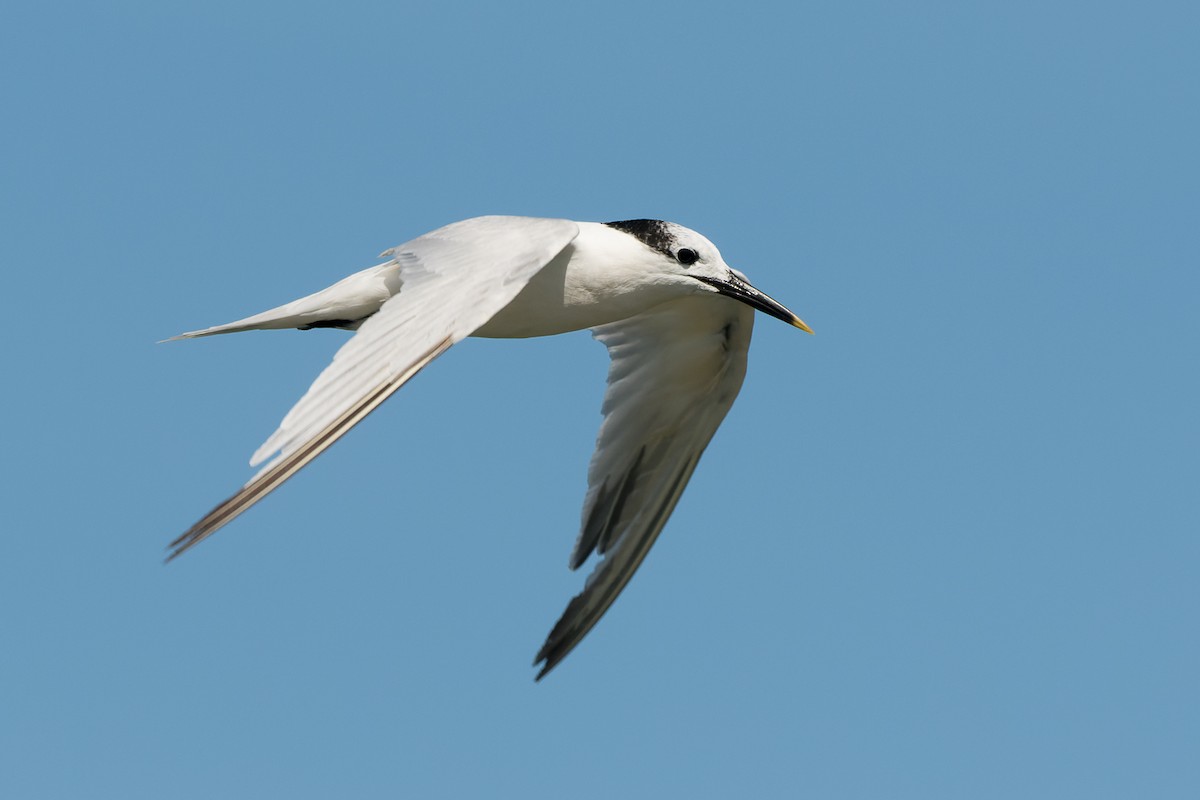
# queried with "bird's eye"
point(687, 256)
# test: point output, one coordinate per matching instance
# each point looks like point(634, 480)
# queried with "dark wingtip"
point(540, 659)
point(181, 545)
point(563, 638)
point(548, 660)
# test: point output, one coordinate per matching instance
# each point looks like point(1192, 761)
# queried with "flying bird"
point(675, 318)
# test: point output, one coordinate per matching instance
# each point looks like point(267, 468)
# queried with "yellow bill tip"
point(801, 324)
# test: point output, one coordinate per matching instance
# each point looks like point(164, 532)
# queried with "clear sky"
point(948, 547)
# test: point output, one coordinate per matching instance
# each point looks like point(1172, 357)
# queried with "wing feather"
point(452, 281)
point(269, 479)
point(675, 373)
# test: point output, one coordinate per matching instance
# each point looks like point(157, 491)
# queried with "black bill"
point(740, 290)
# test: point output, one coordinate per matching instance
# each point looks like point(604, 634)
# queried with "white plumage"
point(675, 319)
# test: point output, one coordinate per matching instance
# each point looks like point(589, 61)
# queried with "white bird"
point(675, 318)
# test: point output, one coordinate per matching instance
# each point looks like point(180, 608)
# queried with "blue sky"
point(945, 548)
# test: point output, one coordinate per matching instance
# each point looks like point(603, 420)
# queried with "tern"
point(675, 318)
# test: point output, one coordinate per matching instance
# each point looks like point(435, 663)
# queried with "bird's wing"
point(675, 372)
point(453, 280)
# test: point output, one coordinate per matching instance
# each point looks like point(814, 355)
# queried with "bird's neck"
point(605, 275)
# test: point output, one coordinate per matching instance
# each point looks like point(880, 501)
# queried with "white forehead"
point(667, 238)
point(686, 237)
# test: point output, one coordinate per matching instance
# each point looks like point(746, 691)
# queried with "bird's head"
point(691, 259)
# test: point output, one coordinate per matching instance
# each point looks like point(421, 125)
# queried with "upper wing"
point(675, 372)
point(453, 280)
